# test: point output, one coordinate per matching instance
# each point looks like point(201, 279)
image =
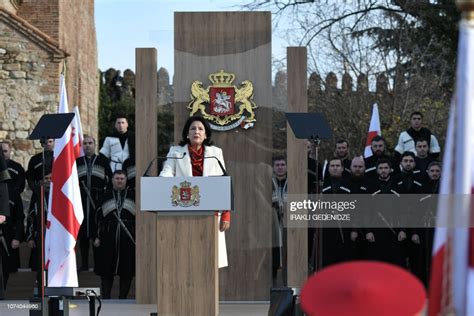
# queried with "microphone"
point(224, 173)
point(158, 157)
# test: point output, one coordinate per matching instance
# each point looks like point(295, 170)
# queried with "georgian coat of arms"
point(185, 195)
point(229, 106)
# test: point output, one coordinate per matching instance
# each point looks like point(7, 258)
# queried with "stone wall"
point(31, 66)
point(26, 74)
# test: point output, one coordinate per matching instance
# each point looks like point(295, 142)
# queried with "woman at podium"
point(195, 156)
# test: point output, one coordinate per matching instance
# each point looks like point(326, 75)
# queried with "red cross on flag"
point(65, 213)
point(452, 271)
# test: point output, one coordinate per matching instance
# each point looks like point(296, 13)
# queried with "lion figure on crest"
point(199, 96)
point(244, 96)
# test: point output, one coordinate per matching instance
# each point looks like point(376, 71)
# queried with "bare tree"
point(409, 46)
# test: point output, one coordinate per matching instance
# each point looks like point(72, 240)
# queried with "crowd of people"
point(107, 182)
point(413, 168)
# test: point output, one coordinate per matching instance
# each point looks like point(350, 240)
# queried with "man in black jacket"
point(378, 146)
point(14, 228)
point(94, 175)
point(337, 243)
point(115, 237)
point(410, 181)
point(384, 241)
point(4, 213)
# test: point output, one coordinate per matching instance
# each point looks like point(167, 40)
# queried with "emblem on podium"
point(224, 105)
point(185, 195)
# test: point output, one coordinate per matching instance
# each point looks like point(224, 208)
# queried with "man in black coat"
point(116, 236)
point(14, 229)
point(337, 243)
point(34, 173)
point(422, 159)
point(378, 146)
point(384, 242)
point(4, 213)
point(33, 223)
point(358, 184)
point(94, 175)
point(410, 181)
point(429, 203)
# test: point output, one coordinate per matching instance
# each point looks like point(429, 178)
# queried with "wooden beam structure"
point(146, 149)
point(297, 164)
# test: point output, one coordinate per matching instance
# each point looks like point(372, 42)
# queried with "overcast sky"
point(123, 25)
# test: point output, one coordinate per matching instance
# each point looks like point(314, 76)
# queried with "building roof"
point(34, 34)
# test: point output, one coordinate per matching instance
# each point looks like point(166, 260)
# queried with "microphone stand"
point(316, 257)
point(224, 172)
point(145, 174)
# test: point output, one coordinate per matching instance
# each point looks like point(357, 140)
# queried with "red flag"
point(65, 213)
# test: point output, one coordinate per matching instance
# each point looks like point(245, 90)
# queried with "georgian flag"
point(65, 213)
point(374, 130)
point(78, 136)
point(452, 273)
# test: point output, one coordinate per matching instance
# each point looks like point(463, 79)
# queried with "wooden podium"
point(187, 240)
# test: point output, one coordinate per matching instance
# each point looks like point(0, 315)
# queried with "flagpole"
point(460, 235)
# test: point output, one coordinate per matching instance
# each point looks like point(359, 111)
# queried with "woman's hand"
point(224, 225)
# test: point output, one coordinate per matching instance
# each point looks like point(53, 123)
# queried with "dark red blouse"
point(197, 164)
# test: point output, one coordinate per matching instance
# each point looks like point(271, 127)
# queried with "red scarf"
point(197, 160)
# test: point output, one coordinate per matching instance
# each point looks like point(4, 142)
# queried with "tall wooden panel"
point(146, 150)
point(240, 43)
point(297, 164)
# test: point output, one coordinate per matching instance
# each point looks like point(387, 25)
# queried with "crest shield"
point(224, 105)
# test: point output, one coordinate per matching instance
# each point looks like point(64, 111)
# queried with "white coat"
point(183, 168)
point(113, 150)
point(406, 143)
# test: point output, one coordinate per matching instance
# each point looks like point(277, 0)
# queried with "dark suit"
point(14, 228)
point(5, 211)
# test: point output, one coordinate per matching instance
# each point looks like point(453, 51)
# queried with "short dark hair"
point(377, 139)
point(342, 141)
point(408, 153)
point(187, 125)
point(119, 116)
point(421, 139)
point(122, 172)
point(382, 161)
point(335, 158)
point(278, 158)
point(416, 113)
point(434, 163)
